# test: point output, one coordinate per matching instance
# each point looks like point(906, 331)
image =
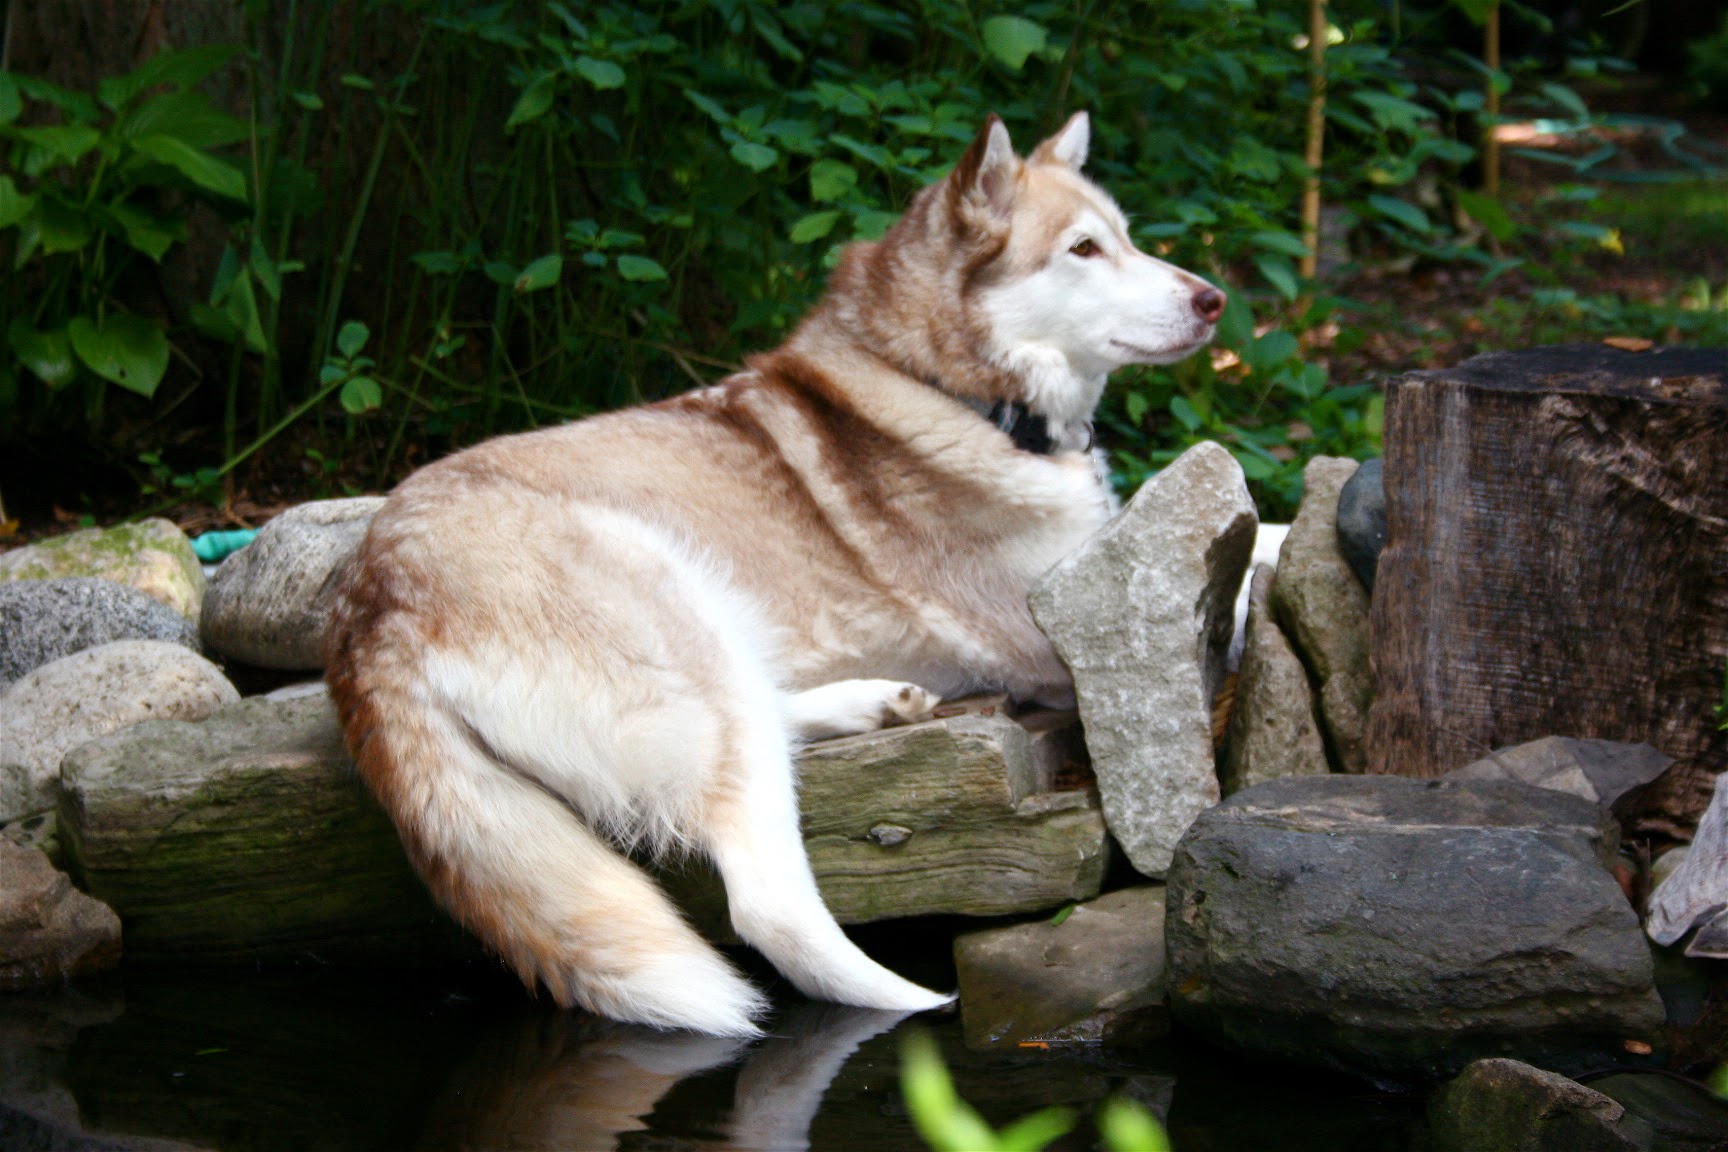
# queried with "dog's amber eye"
point(1084, 247)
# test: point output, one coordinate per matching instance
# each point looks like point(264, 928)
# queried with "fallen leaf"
point(1636, 1047)
point(1629, 343)
point(8, 528)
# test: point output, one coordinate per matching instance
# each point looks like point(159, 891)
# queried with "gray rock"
point(40, 830)
point(1362, 519)
point(1402, 927)
point(269, 603)
point(1599, 770)
point(152, 556)
point(1502, 1105)
point(1684, 1115)
point(89, 694)
point(49, 931)
point(1273, 732)
point(1082, 980)
point(43, 620)
point(1698, 888)
point(1323, 609)
point(1142, 615)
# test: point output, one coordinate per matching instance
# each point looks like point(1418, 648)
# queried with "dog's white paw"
point(849, 707)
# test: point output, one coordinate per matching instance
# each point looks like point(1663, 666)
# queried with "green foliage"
point(948, 1124)
point(80, 200)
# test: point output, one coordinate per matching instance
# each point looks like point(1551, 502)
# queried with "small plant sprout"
point(948, 1124)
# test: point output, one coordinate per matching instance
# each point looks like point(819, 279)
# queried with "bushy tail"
point(516, 866)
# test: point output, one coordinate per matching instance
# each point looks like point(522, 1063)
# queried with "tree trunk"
point(1557, 556)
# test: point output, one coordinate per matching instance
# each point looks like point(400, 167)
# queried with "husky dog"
point(611, 633)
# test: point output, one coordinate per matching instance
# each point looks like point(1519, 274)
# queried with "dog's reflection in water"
point(572, 1083)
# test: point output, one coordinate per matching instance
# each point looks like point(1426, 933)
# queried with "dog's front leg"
point(848, 707)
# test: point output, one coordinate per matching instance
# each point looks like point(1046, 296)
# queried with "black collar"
point(1029, 430)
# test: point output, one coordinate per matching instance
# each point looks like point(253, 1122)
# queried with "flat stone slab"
point(1402, 928)
point(250, 836)
point(1500, 1105)
point(1142, 614)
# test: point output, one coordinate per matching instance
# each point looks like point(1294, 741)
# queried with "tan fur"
point(835, 512)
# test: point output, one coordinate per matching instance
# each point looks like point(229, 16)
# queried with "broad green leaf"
point(1136, 405)
point(1392, 113)
point(603, 74)
point(241, 307)
point(181, 69)
point(61, 145)
point(1185, 413)
point(1477, 10)
point(1254, 467)
point(214, 323)
point(1567, 99)
point(756, 157)
point(831, 179)
point(352, 338)
point(1032, 1133)
point(146, 231)
point(542, 273)
point(188, 117)
point(47, 354)
point(357, 81)
point(1282, 242)
point(1236, 326)
point(437, 263)
point(710, 106)
point(1271, 350)
point(201, 168)
point(309, 101)
point(1402, 211)
point(264, 268)
point(946, 1122)
point(814, 226)
point(14, 205)
point(361, 395)
point(501, 272)
point(1279, 274)
point(535, 101)
point(60, 227)
point(872, 223)
point(11, 101)
point(1488, 212)
point(127, 350)
point(1011, 39)
point(640, 268)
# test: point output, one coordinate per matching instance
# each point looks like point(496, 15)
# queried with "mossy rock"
point(152, 556)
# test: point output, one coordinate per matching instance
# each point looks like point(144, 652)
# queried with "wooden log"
point(249, 836)
point(1557, 556)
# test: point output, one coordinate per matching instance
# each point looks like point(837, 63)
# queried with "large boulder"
point(49, 931)
point(89, 694)
point(1089, 973)
point(1142, 614)
point(269, 603)
point(1323, 609)
point(250, 837)
point(1500, 1105)
point(152, 556)
point(1403, 928)
point(43, 620)
point(1684, 1115)
point(1272, 732)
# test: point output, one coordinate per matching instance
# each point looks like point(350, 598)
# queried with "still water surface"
point(248, 1062)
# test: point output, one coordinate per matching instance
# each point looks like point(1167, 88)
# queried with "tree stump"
point(1557, 557)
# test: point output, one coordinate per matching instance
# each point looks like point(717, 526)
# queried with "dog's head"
point(1016, 279)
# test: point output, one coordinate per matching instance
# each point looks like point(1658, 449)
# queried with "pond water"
point(321, 1059)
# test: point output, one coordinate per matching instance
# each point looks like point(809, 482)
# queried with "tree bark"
point(1557, 556)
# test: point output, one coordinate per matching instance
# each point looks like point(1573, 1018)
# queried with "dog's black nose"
point(1209, 304)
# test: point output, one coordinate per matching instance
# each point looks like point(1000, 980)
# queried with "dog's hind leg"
point(752, 834)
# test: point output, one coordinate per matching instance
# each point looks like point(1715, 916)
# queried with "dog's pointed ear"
point(988, 173)
point(1069, 145)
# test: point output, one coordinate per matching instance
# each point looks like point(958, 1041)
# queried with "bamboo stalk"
point(1316, 136)
point(1491, 118)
